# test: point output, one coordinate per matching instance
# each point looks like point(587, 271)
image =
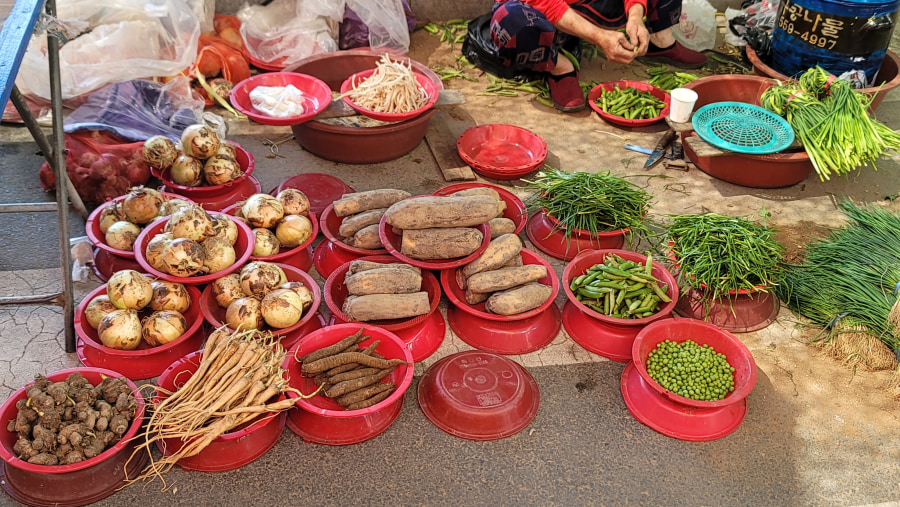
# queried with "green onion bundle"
point(718, 254)
point(592, 202)
point(829, 117)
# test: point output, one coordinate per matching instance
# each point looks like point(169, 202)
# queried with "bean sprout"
point(392, 88)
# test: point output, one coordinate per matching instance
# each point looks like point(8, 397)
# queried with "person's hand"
point(638, 35)
point(615, 46)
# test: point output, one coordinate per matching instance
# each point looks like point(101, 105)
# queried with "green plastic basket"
point(742, 128)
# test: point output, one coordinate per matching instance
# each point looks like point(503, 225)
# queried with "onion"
point(98, 308)
point(122, 235)
point(225, 227)
point(281, 308)
point(266, 243)
point(258, 278)
point(219, 169)
point(169, 296)
point(199, 141)
point(262, 210)
point(120, 330)
point(191, 222)
point(187, 171)
point(159, 152)
point(128, 289)
point(243, 314)
point(183, 257)
point(154, 250)
point(170, 206)
point(293, 230)
point(226, 289)
point(227, 149)
point(303, 291)
point(160, 328)
point(221, 87)
point(294, 202)
point(219, 254)
point(141, 205)
point(110, 214)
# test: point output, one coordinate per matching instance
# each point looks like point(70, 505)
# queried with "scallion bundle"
point(829, 117)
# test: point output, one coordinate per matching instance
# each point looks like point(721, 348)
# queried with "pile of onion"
point(135, 309)
point(193, 242)
point(121, 220)
point(277, 222)
point(260, 296)
point(203, 158)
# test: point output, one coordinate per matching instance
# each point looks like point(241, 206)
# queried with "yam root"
point(348, 386)
point(364, 393)
point(516, 261)
point(386, 306)
point(519, 299)
point(359, 265)
point(351, 204)
point(337, 348)
point(354, 223)
point(478, 191)
point(366, 238)
point(506, 278)
point(498, 252)
point(369, 351)
point(446, 243)
point(383, 281)
point(316, 367)
point(500, 226)
point(473, 298)
point(353, 374)
point(435, 211)
point(44, 458)
point(370, 402)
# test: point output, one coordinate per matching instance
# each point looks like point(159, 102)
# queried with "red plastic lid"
point(502, 151)
point(321, 189)
point(316, 96)
point(424, 83)
point(479, 396)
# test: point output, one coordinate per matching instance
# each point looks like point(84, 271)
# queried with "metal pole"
point(59, 157)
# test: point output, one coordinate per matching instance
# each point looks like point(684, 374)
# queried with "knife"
point(660, 148)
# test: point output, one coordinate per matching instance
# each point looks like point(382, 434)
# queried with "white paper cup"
point(682, 104)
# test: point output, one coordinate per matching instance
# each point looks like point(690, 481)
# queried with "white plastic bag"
point(696, 29)
point(128, 39)
point(386, 21)
point(287, 31)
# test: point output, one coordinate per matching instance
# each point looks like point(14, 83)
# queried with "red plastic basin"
point(316, 95)
point(242, 249)
point(68, 485)
point(300, 256)
point(515, 208)
point(425, 84)
point(144, 362)
point(502, 151)
point(215, 314)
point(392, 242)
point(244, 189)
point(198, 194)
point(322, 420)
point(330, 225)
point(545, 234)
point(227, 451)
point(107, 264)
point(321, 189)
point(640, 86)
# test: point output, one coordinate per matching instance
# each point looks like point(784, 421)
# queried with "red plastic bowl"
point(457, 296)
point(198, 194)
point(703, 333)
point(322, 420)
point(82, 483)
point(242, 248)
point(502, 151)
point(640, 86)
point(479, 396)
point(335, 292)
point(331, 223)
point(299, 256)
point(544, 234)
point(215, 314)
point(424, 83)
point(92, 227)
point(392, 242)
point(743, 312)
point(227, 451)
point(144, 362)
point(321, 189)
point(275, 66)
point(230, 196)
point(106, 264)
point(316, 95)
point(515, 208)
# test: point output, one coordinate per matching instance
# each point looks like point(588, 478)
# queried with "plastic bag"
point(696, 28)
point(379, 24)
point(287, 31)
point(100, 165)
point(126, 39)
point(138, 109)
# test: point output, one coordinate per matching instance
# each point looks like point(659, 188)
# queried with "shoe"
point(565, 92)
point(677, 55)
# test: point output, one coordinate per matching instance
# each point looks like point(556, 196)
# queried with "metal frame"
point(54, 153)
